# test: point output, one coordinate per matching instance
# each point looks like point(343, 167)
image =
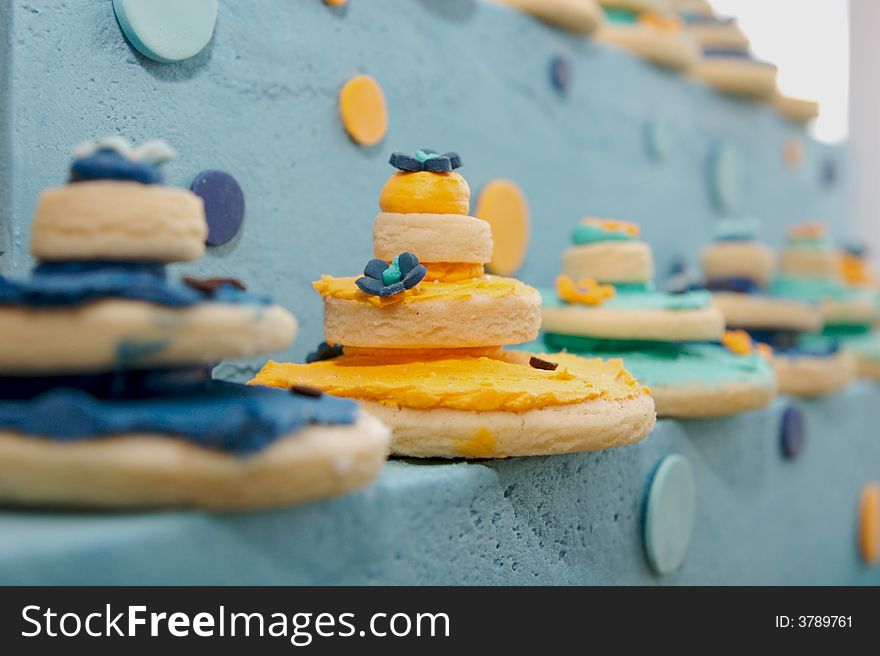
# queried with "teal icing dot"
point(167, 30)
point(658, 139)
point(391, 275)
point(726, 174)
point(669, 514)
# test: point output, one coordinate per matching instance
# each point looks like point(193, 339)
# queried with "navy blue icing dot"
point(560, 73)
point(111, 165)
point(224, 204)
point(239, 419)
point(792, 434)
point(829, 173)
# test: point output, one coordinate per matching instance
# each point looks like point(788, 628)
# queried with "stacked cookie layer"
point(423, 329)
point(106, 397)
point(605, 304)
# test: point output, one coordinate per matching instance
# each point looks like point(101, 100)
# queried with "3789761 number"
point(825, 621)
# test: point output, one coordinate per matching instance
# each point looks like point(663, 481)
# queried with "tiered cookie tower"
point(605, 304)
point(106, 397)
point(422, 332)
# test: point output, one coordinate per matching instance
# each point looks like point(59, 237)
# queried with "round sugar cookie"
point(620, 262)
point(670, 49)
point(760, 312)
point(739, 259)
point(809, 375)
point(143, 470)
point(857, 310)
point(581, 16)
point(453, 238)
point(125, 334)
point(737, 76)
point(798, 110)
point(810, 262)
point(486, 311)
point(718, 35)
point(695, 325)
point(443, 433)
point(118, 220)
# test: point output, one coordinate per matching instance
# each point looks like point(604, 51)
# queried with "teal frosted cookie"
point(686, 380)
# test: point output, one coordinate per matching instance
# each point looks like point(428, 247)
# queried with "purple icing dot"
point(224, 204)
point(560, 73)
point(792, 435)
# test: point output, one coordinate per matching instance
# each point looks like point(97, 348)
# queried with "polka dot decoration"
point(167, 30)
point(792, 432)
point(363, 110)
point(869, 524)
point(658, 139)
point(224, 205)
point(669, 514)
point(503, 205)
point(560, 73)
point(726, 175)
point(793, 152)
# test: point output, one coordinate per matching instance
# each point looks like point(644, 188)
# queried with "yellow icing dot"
point(459, 290)
point(613, 225)
point(855, 270)
point(478, 384)
point(452, 271)
point(481, 445)
point(423, 192)
point(585, 290)
point(363, 110)
point(793, 152)
point(869, 524)
point(503, 205)
point(738, 341)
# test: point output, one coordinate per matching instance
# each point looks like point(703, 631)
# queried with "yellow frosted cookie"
point(424, 192)
point(480, 407)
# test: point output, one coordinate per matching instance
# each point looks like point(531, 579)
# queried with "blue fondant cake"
point(764, 512)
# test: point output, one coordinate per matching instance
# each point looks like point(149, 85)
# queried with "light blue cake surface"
point(260, 102)
point(575, 519)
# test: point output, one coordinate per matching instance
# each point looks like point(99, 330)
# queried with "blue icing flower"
point(426, 160)
point(110, 165)
point(114, 158)
point(383, 279)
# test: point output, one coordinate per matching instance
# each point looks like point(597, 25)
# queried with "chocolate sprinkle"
point(211, 285)
point(538, 363)
point(305, 390)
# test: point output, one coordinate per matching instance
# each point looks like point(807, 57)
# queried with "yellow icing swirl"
point(452, 271)
point(425, 192)
point(459, 290)
point(475, 384)
point(586, 290)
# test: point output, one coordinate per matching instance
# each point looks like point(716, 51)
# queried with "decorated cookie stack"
point(604, 304)
point(649, 29)
point(863, 341)
point(422, 331)
point(811, 271)
point(725, 61)
point(106, 398)
point(739, 272)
